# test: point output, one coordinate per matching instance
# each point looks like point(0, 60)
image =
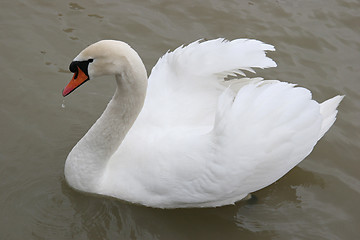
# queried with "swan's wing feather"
point(214, 57)
point(263, 131)
point(184, 84)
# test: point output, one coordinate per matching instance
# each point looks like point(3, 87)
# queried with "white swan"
point(183, 138)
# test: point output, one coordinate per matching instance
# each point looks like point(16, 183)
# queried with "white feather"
point(200, 141)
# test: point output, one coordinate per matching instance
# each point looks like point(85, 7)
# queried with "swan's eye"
point(90, 60)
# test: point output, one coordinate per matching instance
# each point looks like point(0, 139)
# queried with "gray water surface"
point(318, 47)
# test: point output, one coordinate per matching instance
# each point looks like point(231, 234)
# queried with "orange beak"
point(79, 78)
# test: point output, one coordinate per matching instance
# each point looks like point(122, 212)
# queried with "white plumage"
point(198, 141)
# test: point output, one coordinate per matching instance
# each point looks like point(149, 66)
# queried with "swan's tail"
point(328, 110)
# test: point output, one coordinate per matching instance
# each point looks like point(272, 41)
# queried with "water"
point(318, 46)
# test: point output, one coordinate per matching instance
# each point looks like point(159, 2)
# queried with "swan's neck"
point(87, 161)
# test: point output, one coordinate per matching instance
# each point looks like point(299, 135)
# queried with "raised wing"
point(185, 84)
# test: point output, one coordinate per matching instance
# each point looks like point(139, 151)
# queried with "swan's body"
point(191, 141)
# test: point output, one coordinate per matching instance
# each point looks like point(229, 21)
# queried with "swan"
point(185, 137)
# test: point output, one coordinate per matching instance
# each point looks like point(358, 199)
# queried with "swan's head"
point(106, 57)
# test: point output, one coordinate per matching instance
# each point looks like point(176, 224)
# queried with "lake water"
point(318, 47)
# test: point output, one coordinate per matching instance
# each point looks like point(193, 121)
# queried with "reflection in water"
point(275, 209)
point(279, 206)
point(103, 218)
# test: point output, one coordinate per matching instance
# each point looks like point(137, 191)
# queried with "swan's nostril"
point(76, 74)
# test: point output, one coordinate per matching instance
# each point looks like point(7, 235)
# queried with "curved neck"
point(87, 161)
point(111, 128)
